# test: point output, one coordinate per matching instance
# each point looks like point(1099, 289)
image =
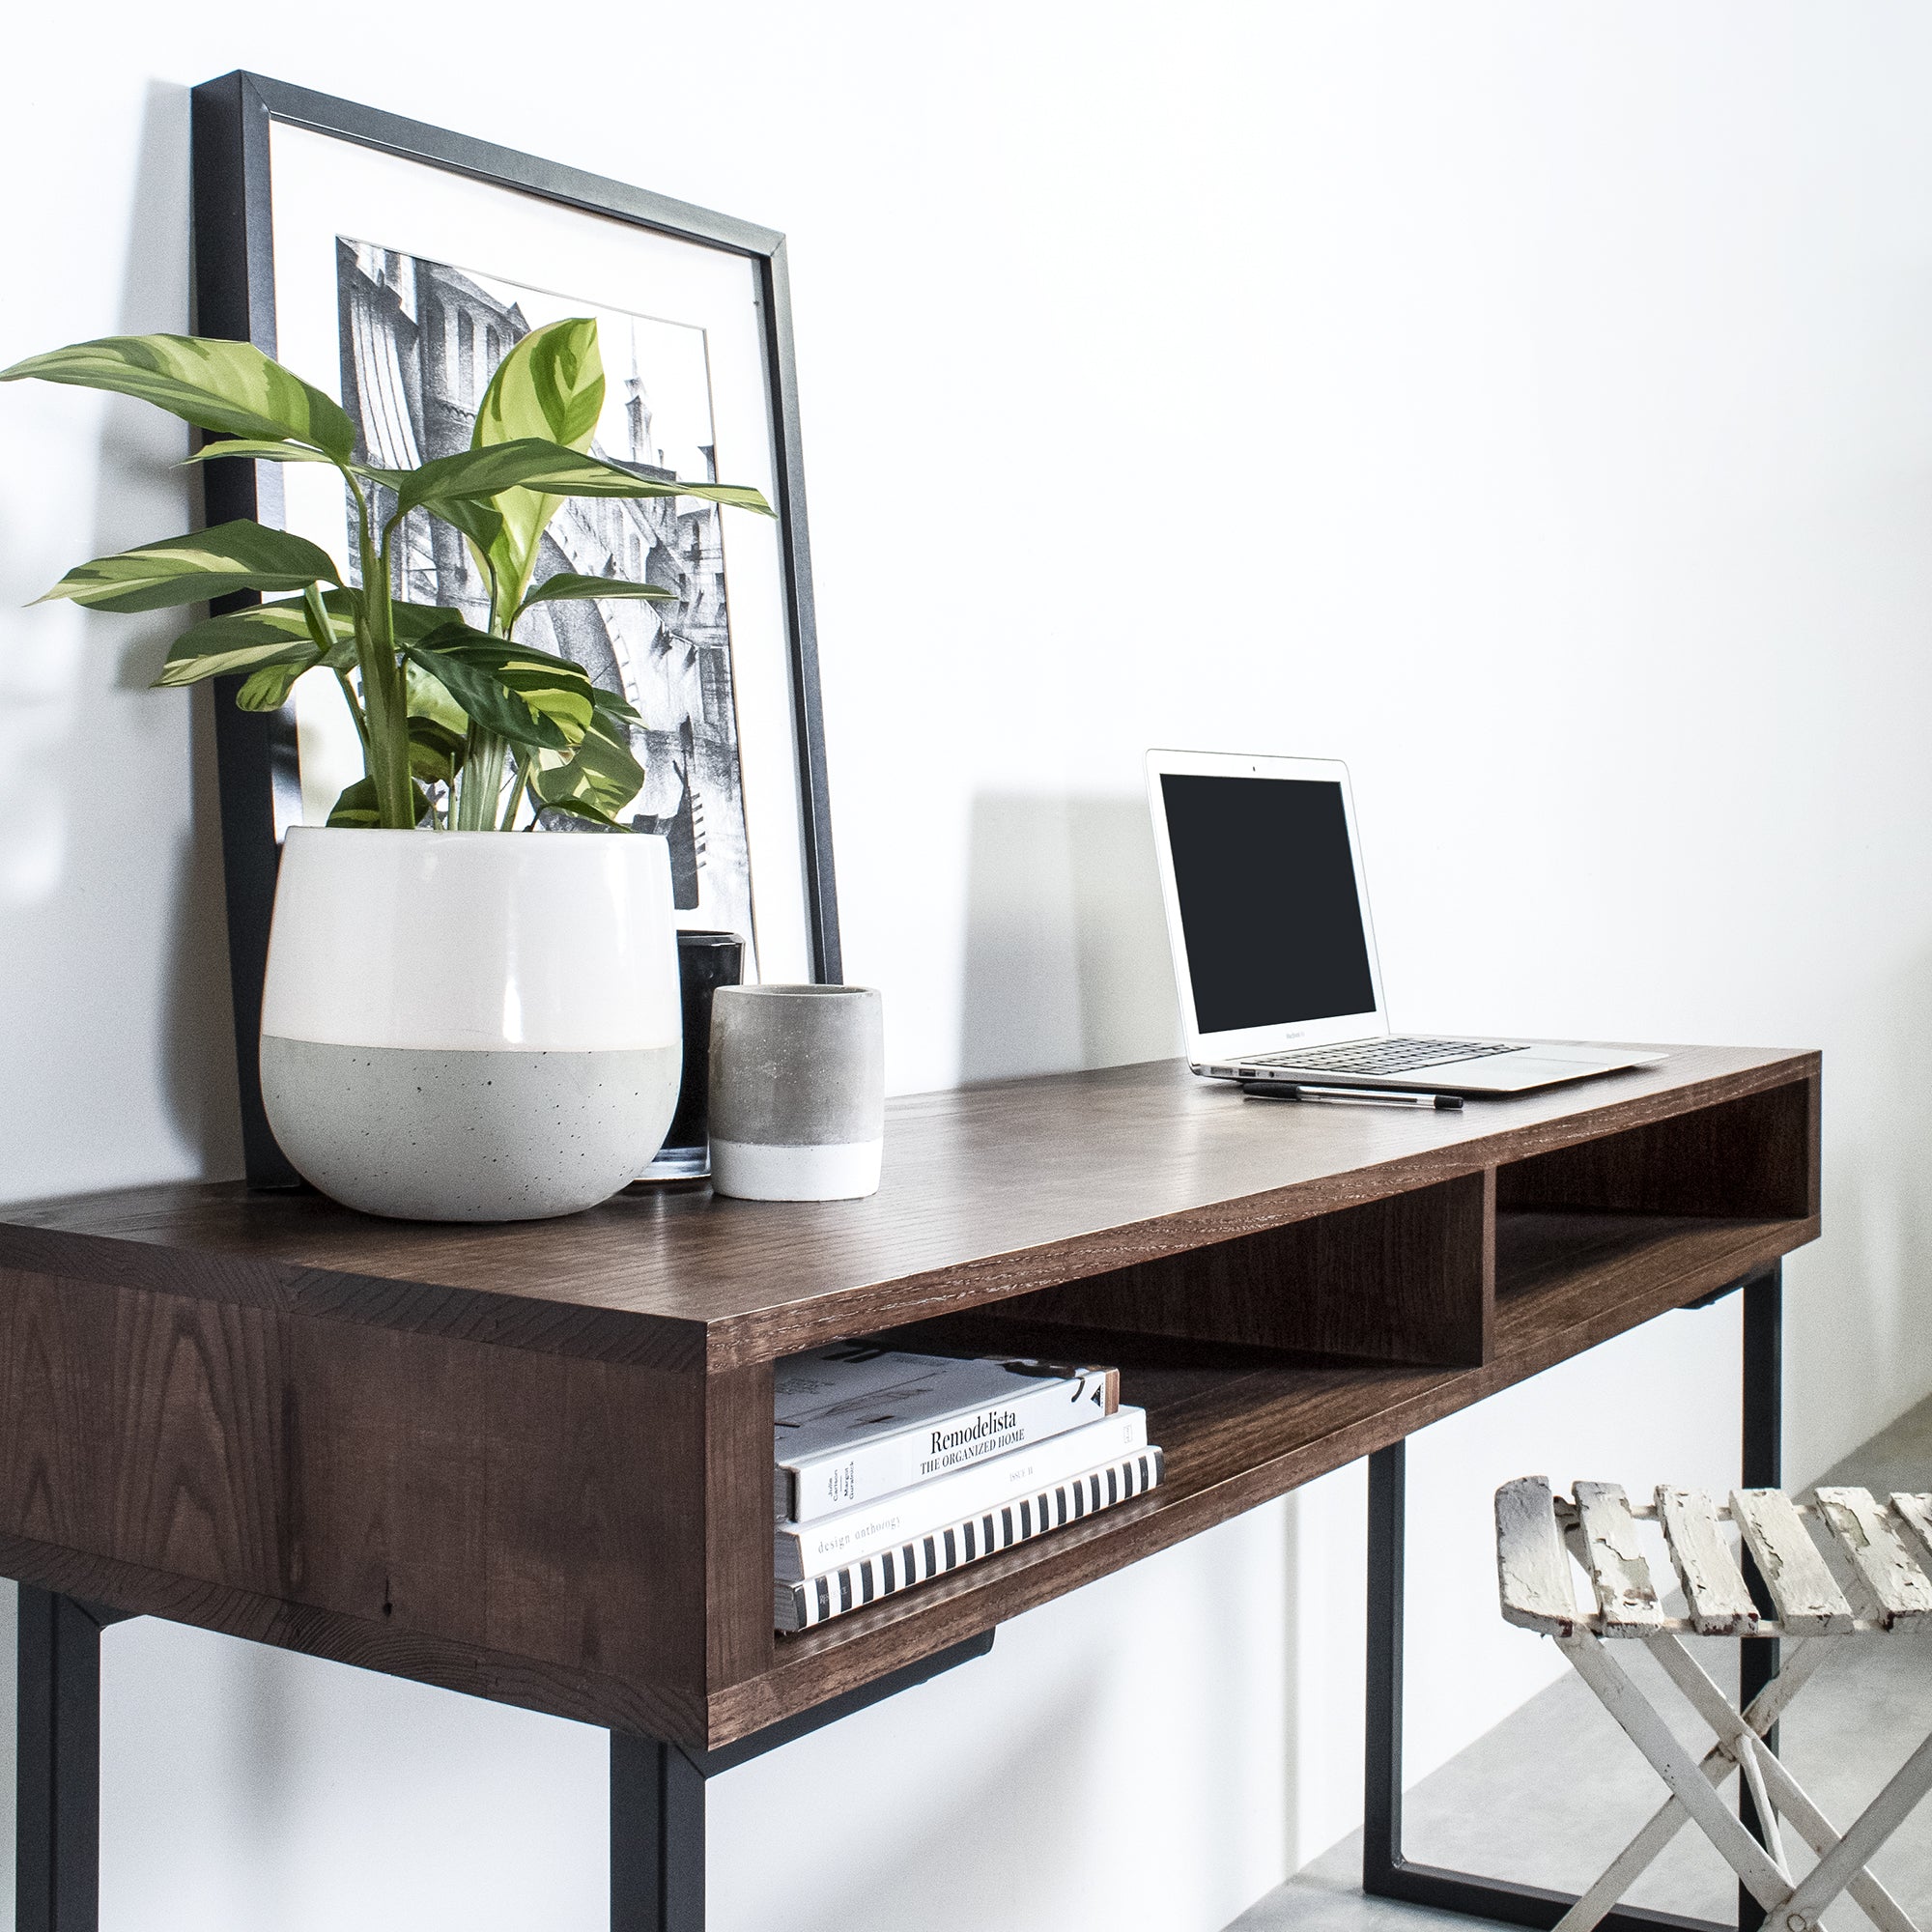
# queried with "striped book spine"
point(797, 1607)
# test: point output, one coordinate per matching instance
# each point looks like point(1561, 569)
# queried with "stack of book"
point(891, 1468)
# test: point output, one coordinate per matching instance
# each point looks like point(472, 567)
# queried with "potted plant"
point(458, 1023)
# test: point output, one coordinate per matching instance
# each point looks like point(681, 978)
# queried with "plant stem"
point(485, 753)
point(382, 718)
point(383, 700)
point(517, 792)
point(350, 699)
point(482, 780)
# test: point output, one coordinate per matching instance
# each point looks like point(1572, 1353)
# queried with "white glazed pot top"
point(562, 942)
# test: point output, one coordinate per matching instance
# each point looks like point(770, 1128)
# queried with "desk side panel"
point(360, 1487)
point(596, 1479)
point(738, 1524)
point(646, 1710)
point(445, 1500)
point(535, 1505)
point(146, 1426)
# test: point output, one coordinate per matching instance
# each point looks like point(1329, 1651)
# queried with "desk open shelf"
point(1240, 1424)
point(533, 1462)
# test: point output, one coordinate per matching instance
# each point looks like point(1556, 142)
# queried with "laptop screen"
point(1268, 908)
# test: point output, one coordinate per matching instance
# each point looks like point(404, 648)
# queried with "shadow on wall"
point(140, 478)
point(1876, 1256)
point(111, 885)
point(1067, 961)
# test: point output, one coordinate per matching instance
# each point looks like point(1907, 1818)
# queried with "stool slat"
point(1810, 1601)
point(1619, 1571)
point(1915, 1513)
point(1713, 1586)
point(1866, 1533)
point(1532, 1566)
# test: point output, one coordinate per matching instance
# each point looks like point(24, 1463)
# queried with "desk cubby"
point(1278, 1354)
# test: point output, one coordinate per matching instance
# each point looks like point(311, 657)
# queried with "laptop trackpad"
point(1512, 1072)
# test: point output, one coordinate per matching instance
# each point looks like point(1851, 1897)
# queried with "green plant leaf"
point(332, 631)
point(435, 755)
point(580, 808)
point(526, 696)
point(535, 463)
point(412, 623)
point(261, 450)
point(567, 587)
point(427, 696)
point(208, 563)
point(242, 640)
point(551, 384)
point(550, 387)
point(357, 806)
point(602, 774)
point(479, 521)
point(268, 688)
point(439, 727)
point(229, 386)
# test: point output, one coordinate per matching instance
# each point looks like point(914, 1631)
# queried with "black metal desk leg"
point(657, 1797)
point(57, 1823)
point(1382, 1792)
point(1385, 1872)
point(1763, 1465)
point(657, 1837)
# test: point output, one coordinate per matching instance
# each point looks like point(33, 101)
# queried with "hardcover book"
point(855, 1422)
point(808, 1549)
point(797, 1607)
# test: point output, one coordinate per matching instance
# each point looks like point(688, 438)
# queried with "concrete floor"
point(1555, 1792)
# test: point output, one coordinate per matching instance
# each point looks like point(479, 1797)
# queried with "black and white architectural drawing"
point(420, 343)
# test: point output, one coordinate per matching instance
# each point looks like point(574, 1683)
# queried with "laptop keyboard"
point(1382, 1056)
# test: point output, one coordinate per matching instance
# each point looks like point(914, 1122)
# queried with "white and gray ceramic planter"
point(471, 1026)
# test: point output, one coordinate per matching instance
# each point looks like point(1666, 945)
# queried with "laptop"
point(1267, 913)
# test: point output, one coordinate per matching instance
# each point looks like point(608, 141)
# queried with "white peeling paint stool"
point(1879, 1550)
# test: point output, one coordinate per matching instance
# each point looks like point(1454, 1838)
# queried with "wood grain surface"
point(1408, 1278)
point(424, 1494)
point(989, 1191)
point(1754, 1156)
point(533, 1462)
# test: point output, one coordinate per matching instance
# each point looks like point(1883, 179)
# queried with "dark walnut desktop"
point(534, 1462)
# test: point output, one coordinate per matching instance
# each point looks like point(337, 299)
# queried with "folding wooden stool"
point(1884, 1547)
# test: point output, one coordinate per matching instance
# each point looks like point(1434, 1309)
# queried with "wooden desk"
point(534, 1462)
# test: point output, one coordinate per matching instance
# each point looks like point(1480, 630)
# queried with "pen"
point(1352, 1096)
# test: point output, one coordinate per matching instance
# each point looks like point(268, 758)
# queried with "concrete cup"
point(798, 1091)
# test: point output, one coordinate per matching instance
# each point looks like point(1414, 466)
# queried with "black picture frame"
point(235, 298)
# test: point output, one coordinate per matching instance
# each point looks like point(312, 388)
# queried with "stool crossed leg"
point(1842, 1859)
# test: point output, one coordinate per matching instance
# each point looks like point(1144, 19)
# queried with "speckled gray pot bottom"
point(467, 1136)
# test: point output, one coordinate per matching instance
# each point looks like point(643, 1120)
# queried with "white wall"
point(1529, 404)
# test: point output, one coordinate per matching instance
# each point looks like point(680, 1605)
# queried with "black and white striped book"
point(797, 1607)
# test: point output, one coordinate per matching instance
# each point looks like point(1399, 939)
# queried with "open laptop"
point(1267, 912)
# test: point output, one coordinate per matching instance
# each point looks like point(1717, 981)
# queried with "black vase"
point(705, 961)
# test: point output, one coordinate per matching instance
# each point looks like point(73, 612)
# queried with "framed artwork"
point(393, 265)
